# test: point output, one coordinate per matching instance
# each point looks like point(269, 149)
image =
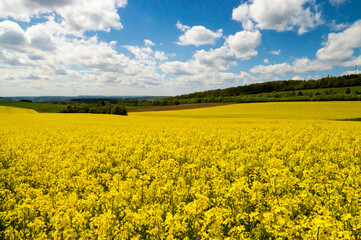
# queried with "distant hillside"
point(81, 99)
point(344, 88)
point(114, 100)
point(279, 86)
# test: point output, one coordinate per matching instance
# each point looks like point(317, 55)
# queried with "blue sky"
point(159, 47)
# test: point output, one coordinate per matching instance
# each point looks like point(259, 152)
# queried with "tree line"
point(275, 91)
point(279, 86)
point(102, 107)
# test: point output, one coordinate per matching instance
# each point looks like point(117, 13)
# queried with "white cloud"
point(178, 68)
point(249, 79)
point(339, 47)
point(338, 27)
point(143, 54)
point(349, 72)
point(316, 77)
point(243, 43)
point(283, 15)
point(204, 80)
point(203, 70)
point(337, 2)
point(92, 15)
point(301, 65)
point(46, 57)
point(282, 69)
point(205, 66)
point(77, 15)
point(182, 27)
point(40, 38)
point(304, 65)
point(160, 56)
point(197, 35)
point(146, 55)
point(275, 52)
point(297, 78)
point(352, 62)
point(266, 61)
point(229, 77)
point(219, 59)
point(148, 43)
point(12, 35)
point(338, 50)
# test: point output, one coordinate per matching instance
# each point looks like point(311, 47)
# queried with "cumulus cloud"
point(275, 52)
point(44, 53)
point(77, 15)
point(146, 54)
point(266, 61)
point(301, 65)
point(148, 43)
point(219, 59)
point(281, 68)
point(278, 15)
point(339, 47)
point(12, 35)
point(297, 78)
point(214, 60)
point(197, 35)
point(179, 68)
point(337, 2)
point(305, 65)
point(338, 50)
point(338, 27)
point(352, 62)
point(160, 55)
point(349, 73)
point(206, 67)
point(182, 27)
point(243, 43)
point(249, 78)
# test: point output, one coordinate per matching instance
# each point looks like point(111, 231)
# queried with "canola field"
point(243, 171)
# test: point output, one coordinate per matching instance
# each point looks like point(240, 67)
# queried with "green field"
point(39, 107)
point(333, 90)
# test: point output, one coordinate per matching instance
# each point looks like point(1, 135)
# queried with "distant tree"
point(119, 110)
point(348, 91)
point(69, 108)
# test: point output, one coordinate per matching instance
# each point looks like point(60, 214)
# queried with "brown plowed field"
point(175, 107)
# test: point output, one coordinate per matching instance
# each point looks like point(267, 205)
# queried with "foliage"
point(243, 171)
point(279, 86)
point(345, 88)
point(102, 107)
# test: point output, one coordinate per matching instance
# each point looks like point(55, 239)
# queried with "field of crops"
point(37, 106)
point(244, 171)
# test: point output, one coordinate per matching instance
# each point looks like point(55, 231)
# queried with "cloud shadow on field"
point(349, 119)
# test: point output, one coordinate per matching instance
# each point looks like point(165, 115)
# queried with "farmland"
point(240, 171)
point(39, 107)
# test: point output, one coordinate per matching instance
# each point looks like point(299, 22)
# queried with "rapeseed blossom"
point(195, 174)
